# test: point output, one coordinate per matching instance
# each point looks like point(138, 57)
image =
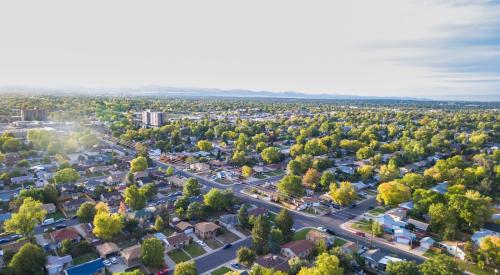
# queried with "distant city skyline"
point(390, 48)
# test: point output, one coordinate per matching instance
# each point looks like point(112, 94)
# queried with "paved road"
point(332, 221)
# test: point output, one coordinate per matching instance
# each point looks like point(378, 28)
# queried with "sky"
point(436, 49)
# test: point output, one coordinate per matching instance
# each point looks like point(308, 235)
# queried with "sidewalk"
point(237, 233)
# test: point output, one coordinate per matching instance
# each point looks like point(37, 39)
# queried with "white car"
point(113, 260)
point(107, 263)
point(322, 229)
point(200, 242)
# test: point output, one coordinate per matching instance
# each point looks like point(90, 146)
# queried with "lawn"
point(221, 271)
point(178, 256)
point(85, 258)
point(271, 217)
point(301, 234)
point(363, 225)
point(339, 242)
point(377, 211)
point(228, 237)
point(194, 250)
point(213, 243)
point(467, 266)
point(56, 215)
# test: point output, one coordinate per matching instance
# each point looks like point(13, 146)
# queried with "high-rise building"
point(156, 119)
point(33, 114)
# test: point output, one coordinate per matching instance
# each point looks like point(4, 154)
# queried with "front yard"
point(228, 237)
point(56, 215)
point(178, 256)
point(301, 234)
point(221, 271)
point(85, 258)
point(213, 243)
point(363, 225)
point(194, 250)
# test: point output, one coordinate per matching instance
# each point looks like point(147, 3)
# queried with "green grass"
point(363, 225)
point(194, 250)
point(301, 234)
point(178, 256)
point(213, 243)
point(56, 215)
point(85, 258)
point(259, 177)
point(377, 211)
point(467, 266)
point(221, 271)
point(339, 242)
point(271, 217)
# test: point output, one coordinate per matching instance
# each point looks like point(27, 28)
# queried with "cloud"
point(385, 47)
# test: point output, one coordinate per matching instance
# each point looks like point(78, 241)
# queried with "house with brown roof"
point(206, 230)
point(49, 207)
point(64, 234)
point(184, 227)
point(176, 241)
point(316, 236)
point(300, 248)
point(131, 255)
point(275, 262)
point(107, 249)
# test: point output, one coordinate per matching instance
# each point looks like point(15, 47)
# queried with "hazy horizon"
point(444, 50)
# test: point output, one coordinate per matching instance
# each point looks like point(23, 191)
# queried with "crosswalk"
point(344, 214)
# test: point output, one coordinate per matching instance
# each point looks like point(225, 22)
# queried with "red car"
point(361, 234)
point(163, 271)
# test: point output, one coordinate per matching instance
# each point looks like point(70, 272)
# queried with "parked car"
point(235, 265)
point(163, 271)
point(200, 242)
point(48, 221)
point(226, 246)
point(361, 234)
point(107, 263)
point(371, 207)
point(353, 205)
point(322, 229)
point(60, 226)
point(113, 260)
point(4, 240)
point(329, 231)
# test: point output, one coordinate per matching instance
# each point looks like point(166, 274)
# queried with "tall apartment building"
point(156, 119)
point(33, 114)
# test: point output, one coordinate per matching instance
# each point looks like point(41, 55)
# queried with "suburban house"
point(422, 226)
point(349, 247)
point(184, 227)
point(106, 250)
point(427, 243)
point(300, 248)
point(382, 264)
point(131, 255)
point(73, 204)
point(55, 265)
point(228, 220)
point(372, 258)
point(316, 236)
point(441, 188)
point(49, 207)
point(206, 230)
point(176, 241)
point(390, 223)
point(275, 262)
point(94, 267)
point(199, 167)
point(115, 179)
point(454, 248)
point(403, 236)
point(310, 202)
point(111, 197)
point(64, 234)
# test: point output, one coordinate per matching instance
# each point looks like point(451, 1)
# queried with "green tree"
point(291, 186)
point(271, 155)
point(30, 259)
point(325, 264)
point(473, 208)
point(170, 171)
point(402, 268)
point(243, 218)
point(260, 233)
point(191, 188)
point(490, 249)
point(284, 222)
point(443, 220)
point(414, 181)
point(423, 198)
point(440, 264)
point(66, 175)
point(343, 195)
point(389, 172)
point(311, 178)
point(327, 178)
point(195, 210)
point(259, 270)
point(152, 251)
point(186, 268)
point(365, 153)
point(393, 193)
point(12, 145)
point(246, 256)
point(365, 171)
point(138, 164)
point(135, 197)
point(86, 212)
point(133, 272)
point(275, 240)
point(214, 199)
point(205, 145)
point(377, 229)
point(106, 225)
point(294, 167)
point(23, 222)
